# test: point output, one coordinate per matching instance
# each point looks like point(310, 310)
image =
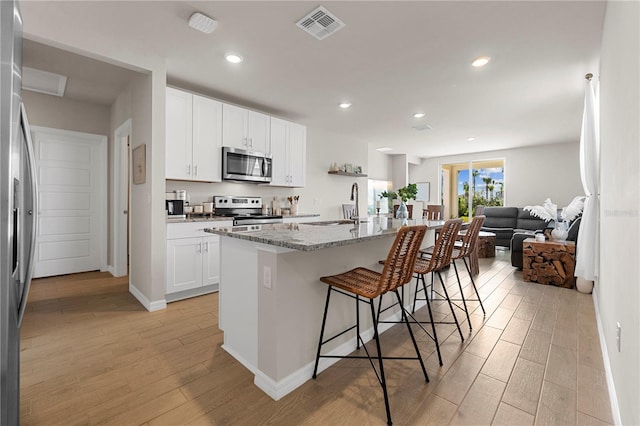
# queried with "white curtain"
point(588, 242)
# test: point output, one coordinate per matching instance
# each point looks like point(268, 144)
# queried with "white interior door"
point(71, 169)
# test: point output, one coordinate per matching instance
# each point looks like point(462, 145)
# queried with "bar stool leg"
point(357, 321)
point(324, 321)
point(433, 328)
point(464, 302)
point(383, 382)
point(446, 295)
point(415, 297)
point(413, 339)
point(474, 285)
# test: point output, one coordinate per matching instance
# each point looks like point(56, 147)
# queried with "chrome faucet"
point(354, 196)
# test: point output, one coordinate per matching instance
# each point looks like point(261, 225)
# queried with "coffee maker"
point(174, 204)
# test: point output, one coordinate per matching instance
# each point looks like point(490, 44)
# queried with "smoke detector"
point(202, 23)
point(320, 23)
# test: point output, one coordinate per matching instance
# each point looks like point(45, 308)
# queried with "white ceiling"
point(392, 59)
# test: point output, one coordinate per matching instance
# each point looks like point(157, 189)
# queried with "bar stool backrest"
point(470, 238)
point(398, 268)
point(444, 244)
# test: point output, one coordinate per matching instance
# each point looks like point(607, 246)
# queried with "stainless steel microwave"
point(242, 165)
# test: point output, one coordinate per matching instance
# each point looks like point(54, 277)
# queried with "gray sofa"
point(504, 221)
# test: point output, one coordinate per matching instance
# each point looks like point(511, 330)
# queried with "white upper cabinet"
point(194, 137)
point(207, 139)
point(288, 148)
point(245, 129)
point(179, 146)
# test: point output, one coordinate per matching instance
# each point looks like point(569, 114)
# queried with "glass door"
point(464, 186)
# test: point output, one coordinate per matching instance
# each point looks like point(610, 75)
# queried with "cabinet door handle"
point(195, 170)
point(188, 169)
point(206, 247)
point(251, 142)
point(200, 248)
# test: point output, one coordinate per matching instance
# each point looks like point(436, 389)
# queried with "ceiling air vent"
point(320, 23)
point(422, 127)
point(43, 81)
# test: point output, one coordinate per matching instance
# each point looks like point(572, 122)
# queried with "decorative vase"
point(584, 286)
point(561, 231)
point(403, 212)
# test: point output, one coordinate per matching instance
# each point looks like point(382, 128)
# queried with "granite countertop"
point(309, 237)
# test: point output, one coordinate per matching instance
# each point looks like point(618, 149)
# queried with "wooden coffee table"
point(549, 262)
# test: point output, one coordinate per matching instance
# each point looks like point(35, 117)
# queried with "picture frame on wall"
point(348, 168)
point(139, 163)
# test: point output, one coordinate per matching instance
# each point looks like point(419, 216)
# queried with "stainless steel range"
point(244, 210)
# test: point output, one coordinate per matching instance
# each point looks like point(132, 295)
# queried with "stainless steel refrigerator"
point(17, 209)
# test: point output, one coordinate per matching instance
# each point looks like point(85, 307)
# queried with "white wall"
point(380, 165)
point(617, 290)
point(531, 174)
point(323, 194)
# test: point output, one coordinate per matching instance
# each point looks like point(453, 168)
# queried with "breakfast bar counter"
point(271, 298)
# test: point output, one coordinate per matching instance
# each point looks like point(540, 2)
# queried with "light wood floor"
point(92, 355)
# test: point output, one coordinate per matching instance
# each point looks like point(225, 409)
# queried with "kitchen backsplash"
point(199, 192)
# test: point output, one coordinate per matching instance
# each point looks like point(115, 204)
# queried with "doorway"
point(72, 194)
point(121, 189)
point(467, 185)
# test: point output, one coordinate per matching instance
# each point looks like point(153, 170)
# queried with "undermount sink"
point(331, 222)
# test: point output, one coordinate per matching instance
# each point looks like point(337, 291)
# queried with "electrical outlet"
point(618, 334)
point(266, 277)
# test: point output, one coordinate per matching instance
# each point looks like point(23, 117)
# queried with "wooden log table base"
point(486, 244)
point(549, 262)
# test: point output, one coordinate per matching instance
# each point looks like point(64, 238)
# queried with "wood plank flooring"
point(92, 355)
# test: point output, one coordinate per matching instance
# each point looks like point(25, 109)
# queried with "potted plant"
point(406, 193)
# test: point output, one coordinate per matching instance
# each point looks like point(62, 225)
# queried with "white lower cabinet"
point(193, 259)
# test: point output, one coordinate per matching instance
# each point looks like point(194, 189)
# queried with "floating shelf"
point(347, 174)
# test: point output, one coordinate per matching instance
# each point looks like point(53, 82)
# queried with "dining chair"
point(433, 212)
point(348, 211)
point(364, 285)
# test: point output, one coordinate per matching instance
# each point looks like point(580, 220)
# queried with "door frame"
point(101, 142)
point(121, 190)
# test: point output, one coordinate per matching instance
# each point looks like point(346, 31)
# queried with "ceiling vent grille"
point(43, 81)
point(320, 23)
point(422, 127)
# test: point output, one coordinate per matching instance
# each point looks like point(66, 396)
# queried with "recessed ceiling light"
point(384, 149)
point(233, 58)
point(481, 61)
point(471, 139)
point(202, 23)
point(345, 105)
point(419, 115)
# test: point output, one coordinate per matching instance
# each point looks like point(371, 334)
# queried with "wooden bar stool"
point(439, 257)
point(364, 285)
point(463, 250)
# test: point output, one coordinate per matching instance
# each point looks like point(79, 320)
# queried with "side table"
point(486, 244)
point(549, 262)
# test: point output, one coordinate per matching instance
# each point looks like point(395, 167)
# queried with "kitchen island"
point(271, 299)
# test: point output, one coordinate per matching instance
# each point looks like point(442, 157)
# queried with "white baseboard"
point(613, 397)
point(150, 306)
point(110, 270)
point(278, 389)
